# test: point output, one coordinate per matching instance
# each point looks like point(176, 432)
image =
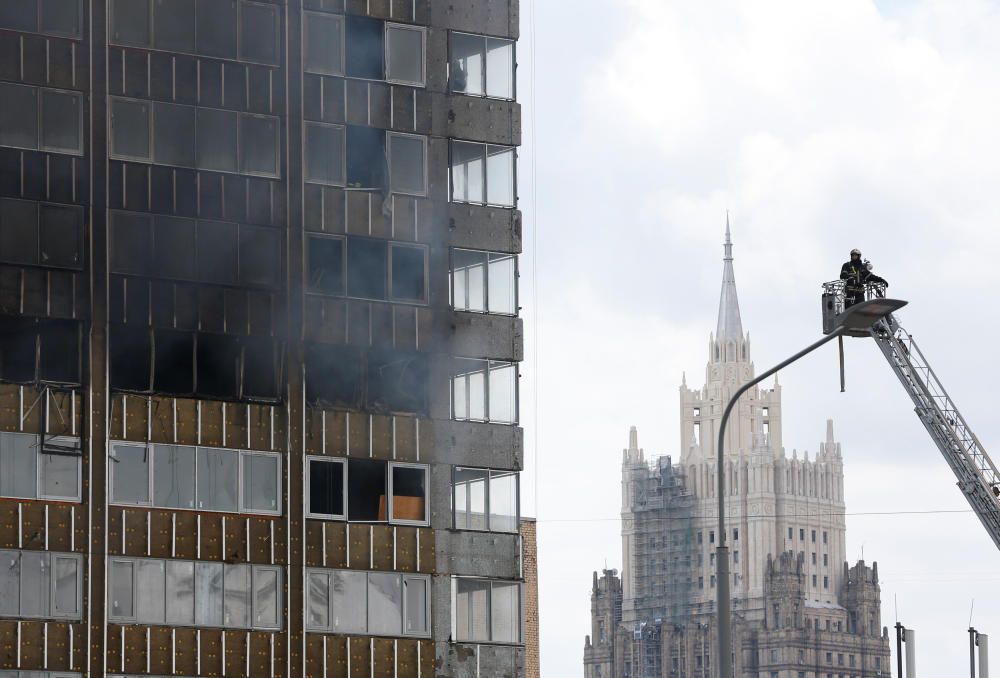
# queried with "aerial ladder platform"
point(978, 477)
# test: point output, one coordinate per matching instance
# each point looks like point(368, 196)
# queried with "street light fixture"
point(856, 321)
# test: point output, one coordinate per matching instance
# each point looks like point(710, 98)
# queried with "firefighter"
point(856, 274)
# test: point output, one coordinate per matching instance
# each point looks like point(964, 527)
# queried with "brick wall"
point(529, 534)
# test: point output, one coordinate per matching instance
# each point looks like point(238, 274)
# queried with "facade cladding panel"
point(259, 339)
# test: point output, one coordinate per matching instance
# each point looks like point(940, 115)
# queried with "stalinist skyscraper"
point(799, 610)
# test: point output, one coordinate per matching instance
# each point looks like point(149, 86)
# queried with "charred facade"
point(259, 338)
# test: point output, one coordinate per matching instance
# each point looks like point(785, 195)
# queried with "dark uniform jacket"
point(856, 274)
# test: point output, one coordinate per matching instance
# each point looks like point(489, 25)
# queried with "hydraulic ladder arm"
point(977, 475)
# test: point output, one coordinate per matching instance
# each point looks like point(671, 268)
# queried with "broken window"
point(218, 365)
point(366, 491)
point(259, 39)
point(173, 369)
point(326, 479)
point(325, 262)
point(367, 268)
point(482, 174)
point(486, 610)
point(365, 48)
point(325, 158)
point(485, 499)
point(409, 272)
point(375, 603)
point(179, 593)
point(334, 374)
point(366, 163)
point(397, 382)
point(484, 390)
point(481, 66)
point(408, 163)
point(483, 282)
point(324, 43)
point(41, 584)
point(261, 368)
point(405, 54)
point(408, 493)
point(130, 354)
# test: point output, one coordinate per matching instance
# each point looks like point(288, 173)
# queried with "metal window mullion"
point(486, 504)
point(486, 396)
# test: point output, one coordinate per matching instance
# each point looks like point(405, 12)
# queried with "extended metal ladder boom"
point(977, 475)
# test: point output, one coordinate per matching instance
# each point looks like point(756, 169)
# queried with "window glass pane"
point(34, 584)
point(130, 473)
point(260, 482)
point(130, 22)
point(503, 283)
point(385, 604)
point(258, 144)
point(60, 236)
point(237, 599)
point(503, 392)
point(174, 134)
point(180, 592)
point(326, 264)
point(217, 140)
point(324, 48)
point(260, 251)
point(218, 254)
point(468, 167)
point(470, 498)
point(366, 159)
point(326, 488)
point(348, 599)
point(408, 279)
point(472, 610)
point(66, 596)
point(173, 476)
point(208, 594)
point(60, 476)
point(10, 583)
point(505, 614)
point(469, 389)
point(406, 164)
point(365, 48)
point(61, 121)
point(217, 28)
point(259, 33)
point(318, 601)
point(500, 176)
point(120, 589)
point(20, 15)
point(465, 69)
point(18, 453)
point(409, 493)
point(130, 129)
point(265, 583)
point(468, 275)
point(149, 591)
point(366, 268)
point(499, 68)
point(366, 493)
point(415, 590)
point(61, 17)
point(18, 116)
point(324, 153)
point(175, 240)
point(19, 231)
point(503, 501)
point(173, 25)
point(406, 54)
point(217, 475)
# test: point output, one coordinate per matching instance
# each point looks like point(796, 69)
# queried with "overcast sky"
point(821, 126)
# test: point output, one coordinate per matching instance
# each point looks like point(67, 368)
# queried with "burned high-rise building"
point(259, 338)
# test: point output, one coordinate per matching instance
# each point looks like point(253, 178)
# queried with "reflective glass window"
point(324, 153)
point(259, 32)
point(324, 43)
point(62, 118)
point(385, 604)
point(407, 164)
point(130, 129)
point(217, 479)
point(405, 54)
point(130, 474)
point(260, 482)
point(18, 115)
point(174, 25)
point(173, 476)
point(130, 23)
point(180, 592)
point(217, 140)
point(258, 144)
point(18, 458)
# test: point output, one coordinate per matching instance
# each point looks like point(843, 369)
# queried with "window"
point(736, 534)
point(814, 558)
point(367, 490)
point(486, 610)
point(52, 17)
point(325, 263)
point(711, 537)
point(259, 39)
point(404, 54)
point(368, 603)
point(41, 233)
point(485, 499)
point(365, 48)
point(814, 580)
point(408, 163)
point(202, 478)
point(324, 43)
point(824, 537)
point(736, 557)
point(826, 559)
point(483, 282)
point(41, 584)
point(325, 157)
point(789, 533)
point(481, 66)
point(30, 469)
point(327, 483)
point(407, 493)
point(370, 269)
point(826, 582)
point(484, 390)
point(482, 174)
point(188, 136)
point(814, 536)
point(37, 118)
point(802, 534)
point(177, 592)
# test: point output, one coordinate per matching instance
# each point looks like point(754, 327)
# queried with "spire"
point(730, 327)
point(633, 439)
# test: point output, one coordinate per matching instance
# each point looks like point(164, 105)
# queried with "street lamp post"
point(859, 317)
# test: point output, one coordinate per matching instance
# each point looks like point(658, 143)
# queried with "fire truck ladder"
point(977, 475)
